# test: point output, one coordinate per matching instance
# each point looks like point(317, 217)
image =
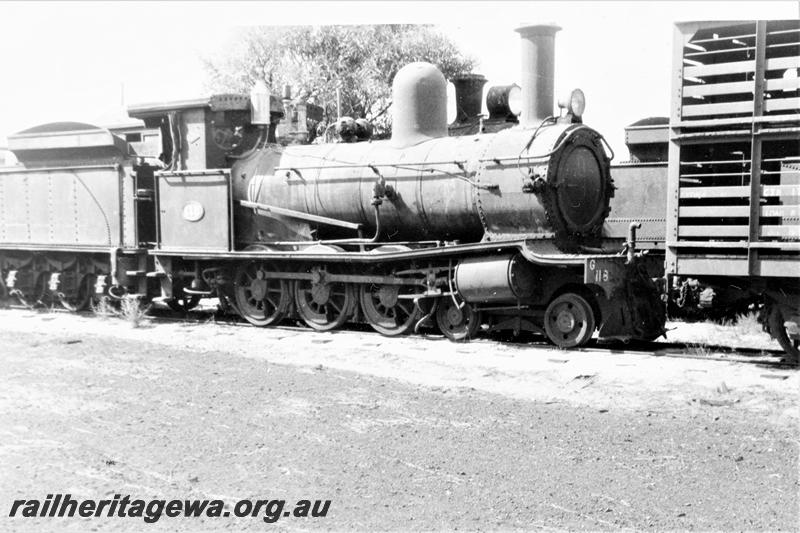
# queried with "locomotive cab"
point(205, 133)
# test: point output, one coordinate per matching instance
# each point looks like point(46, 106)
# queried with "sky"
point(84, 61)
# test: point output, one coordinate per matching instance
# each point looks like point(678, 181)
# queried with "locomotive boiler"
point(550, 181)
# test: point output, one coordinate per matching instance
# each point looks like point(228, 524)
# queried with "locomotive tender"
point(496, 230)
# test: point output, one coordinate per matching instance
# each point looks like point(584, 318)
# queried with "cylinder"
point(419, 101)
point(538, 67)
point(506, 278)
point(469, 96)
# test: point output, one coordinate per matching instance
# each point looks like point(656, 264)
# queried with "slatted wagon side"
point(734, 163)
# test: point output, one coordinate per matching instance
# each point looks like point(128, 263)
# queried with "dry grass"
point(745, 327)
point(133, 311)
point(130, 308)
point(703, 338)
point(748, 324)
point(700, 350)
point(103, 307)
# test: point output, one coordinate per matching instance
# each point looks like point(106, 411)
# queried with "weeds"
point(745, 328)
point(700, 350)
point(748, 324)
point(130, 309)
point(103, 307)
point(133, 311)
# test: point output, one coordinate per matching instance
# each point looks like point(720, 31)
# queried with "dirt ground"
point(409, 433)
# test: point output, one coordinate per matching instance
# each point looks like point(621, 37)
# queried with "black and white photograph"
point(399, 266)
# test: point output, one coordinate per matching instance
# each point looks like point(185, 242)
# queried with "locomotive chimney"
point(469, 96)
point(538, 65)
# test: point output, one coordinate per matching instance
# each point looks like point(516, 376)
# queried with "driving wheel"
point(261, 300)
point(323, 305)
point(387, 311)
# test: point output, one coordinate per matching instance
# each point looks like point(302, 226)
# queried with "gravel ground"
point(424, 442)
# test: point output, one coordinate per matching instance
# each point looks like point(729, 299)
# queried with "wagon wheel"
point(457, 323)
point(261, 300)
point(321, 304)
point(569, 321)
point(778, 330)
point(386, 311)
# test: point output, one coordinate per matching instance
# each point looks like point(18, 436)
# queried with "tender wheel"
point(778, 330)
point(569, 321)
point(261, 301)
point(457, 323)
point(5, 297)
point(386, 311)
point(41, 290)
point(84, 296)
point(323, 305)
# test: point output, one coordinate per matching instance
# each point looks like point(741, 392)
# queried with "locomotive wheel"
point(457, 324)
point(261, 301)
point(323, 305)
point(778, 330)
point(386, 312)
point(569, 321)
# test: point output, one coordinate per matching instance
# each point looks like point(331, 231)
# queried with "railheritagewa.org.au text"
point(152, 510)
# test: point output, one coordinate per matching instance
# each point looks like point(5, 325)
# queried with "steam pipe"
point(538, 67)
point(631, 244)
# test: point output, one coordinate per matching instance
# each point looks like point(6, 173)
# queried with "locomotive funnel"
point(538, 66)
point(469, 96)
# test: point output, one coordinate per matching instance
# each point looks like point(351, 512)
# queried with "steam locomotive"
point(494, 225)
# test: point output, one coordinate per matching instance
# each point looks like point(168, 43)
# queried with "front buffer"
point(629, 300)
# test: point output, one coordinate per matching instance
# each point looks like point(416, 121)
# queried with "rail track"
point(768, 358)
